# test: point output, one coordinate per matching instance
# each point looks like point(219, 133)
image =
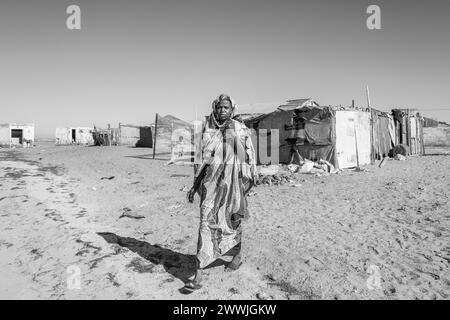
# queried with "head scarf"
point(222, 97)
point(217, 101)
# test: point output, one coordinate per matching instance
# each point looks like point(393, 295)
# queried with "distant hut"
point(436, 137)
point(409, 130)
point(280, 120)
point(137, 136)
point(106, 137)
point(173, 139)
point(16, 135)
point(430, 123)
point(340, 135)
point(383, 134)
point(74, 135)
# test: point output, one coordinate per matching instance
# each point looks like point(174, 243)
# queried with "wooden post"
point(372, 153)
point(418, 148)
point(356, 147)
point(109, 135)
point(119, 142)
point(421, 136)
point(408, 131)
point(154, 139)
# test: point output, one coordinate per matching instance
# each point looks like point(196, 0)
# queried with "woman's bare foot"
point(198, 276)
point(195, 283)
point(234, 264)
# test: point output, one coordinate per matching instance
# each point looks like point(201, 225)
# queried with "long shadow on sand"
point(181, 266)
point(149, 156)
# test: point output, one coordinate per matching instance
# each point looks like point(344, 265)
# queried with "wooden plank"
point(156, 131)
point(372, 153)
point(356, 146)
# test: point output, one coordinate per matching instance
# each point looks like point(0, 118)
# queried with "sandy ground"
point(61, 235)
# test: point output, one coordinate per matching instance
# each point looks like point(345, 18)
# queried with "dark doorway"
point(17, 136)
point(145, 137)
point(74, 135)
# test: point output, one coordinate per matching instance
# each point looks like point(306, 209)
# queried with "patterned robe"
point(226, 174)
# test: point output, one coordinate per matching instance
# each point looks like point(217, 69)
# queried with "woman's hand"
point(190, 195)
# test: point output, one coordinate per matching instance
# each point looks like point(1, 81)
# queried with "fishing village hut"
point(383, 134)
point(106, 137)
point(16, 135)
point(74, 135)
point(173, 139)
point(409, 130)
point(308, 130)
point(278, 120)
point(138, 136)
point(436, 137)
point(339, 135)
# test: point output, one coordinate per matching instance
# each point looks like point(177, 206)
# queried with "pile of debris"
point(281, 174)
point(275, 179)
point(319, 168)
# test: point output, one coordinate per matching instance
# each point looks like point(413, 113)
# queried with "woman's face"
point(224, 110)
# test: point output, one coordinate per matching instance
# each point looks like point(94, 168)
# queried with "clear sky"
point(134, 58)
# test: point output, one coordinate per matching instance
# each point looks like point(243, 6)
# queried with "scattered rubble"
point(184, 189)
point(127, 212)
point(107, 178)
point(400, 157)
point(281, 174)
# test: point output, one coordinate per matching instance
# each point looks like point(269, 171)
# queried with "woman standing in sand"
point(225, 176)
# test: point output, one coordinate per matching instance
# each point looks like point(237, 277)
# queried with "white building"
point(74, 135)
point(16, 135)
